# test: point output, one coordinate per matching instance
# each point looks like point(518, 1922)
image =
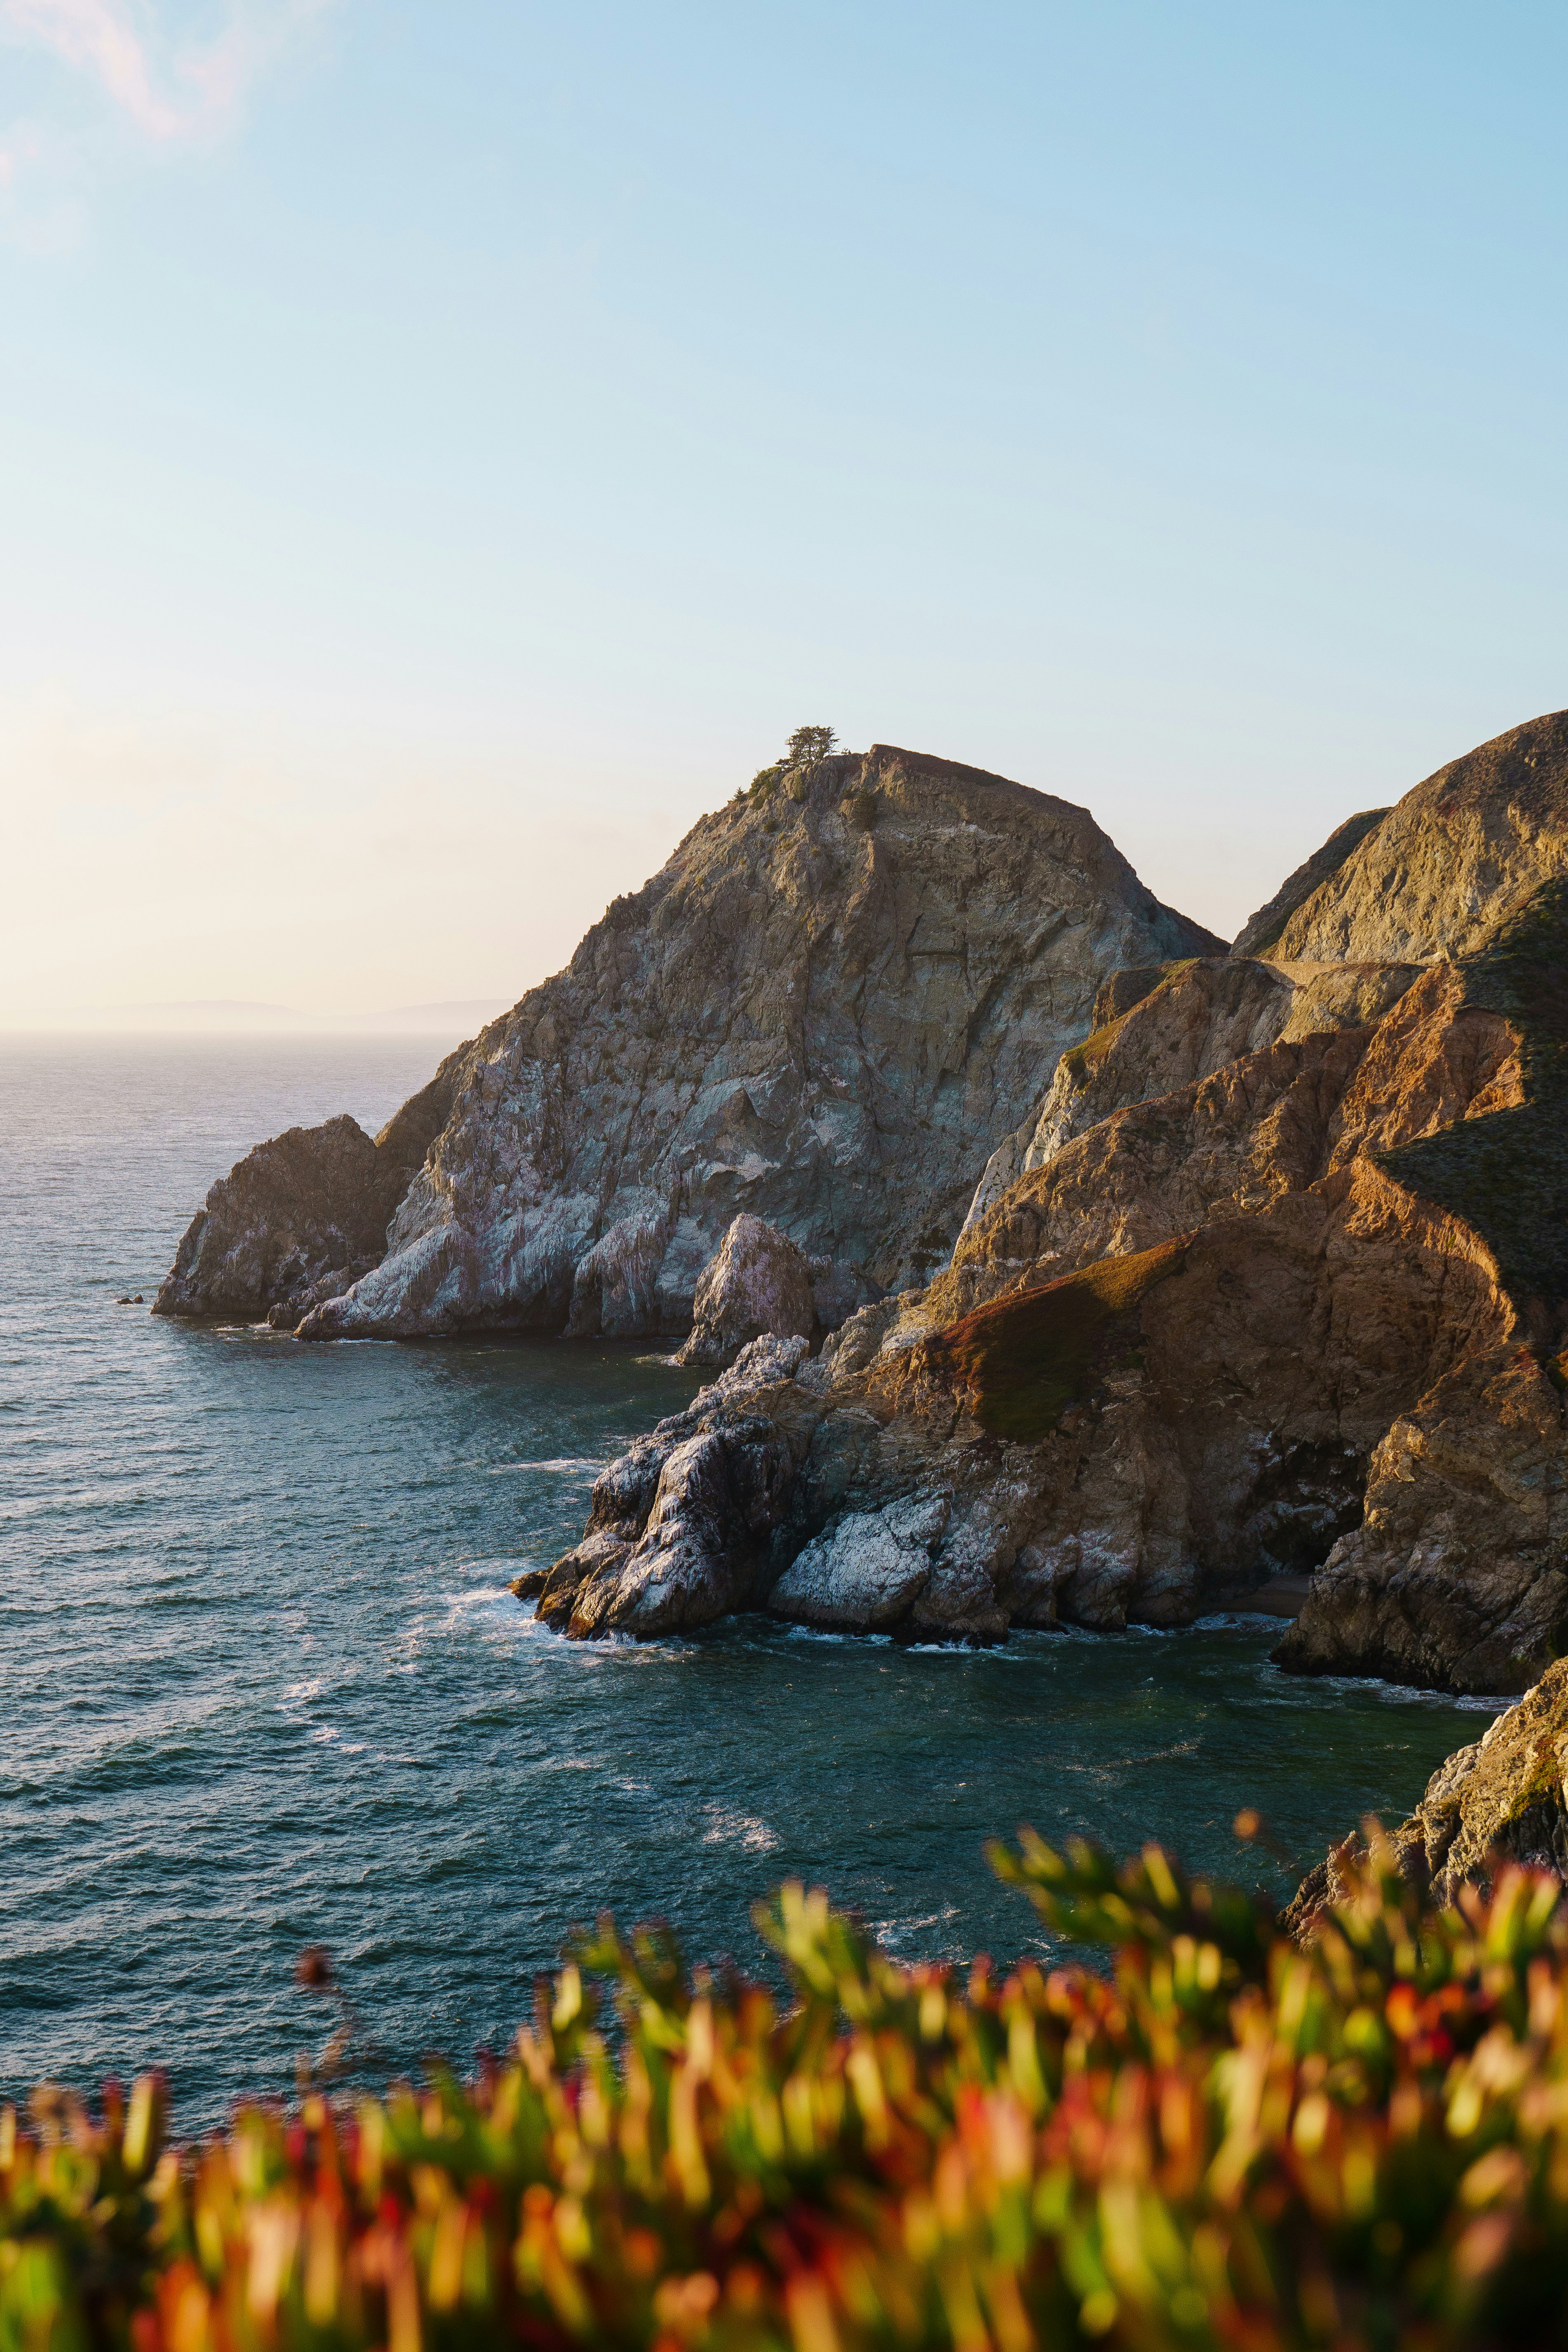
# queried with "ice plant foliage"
point(1229, 2141)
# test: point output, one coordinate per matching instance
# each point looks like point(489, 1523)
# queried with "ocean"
point(263, 1685)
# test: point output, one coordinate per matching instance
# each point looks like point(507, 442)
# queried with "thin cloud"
point(168, 88)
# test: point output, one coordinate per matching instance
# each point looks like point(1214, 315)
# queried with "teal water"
point(262, 1683)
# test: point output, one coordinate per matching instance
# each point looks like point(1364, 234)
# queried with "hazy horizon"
point(444, 453)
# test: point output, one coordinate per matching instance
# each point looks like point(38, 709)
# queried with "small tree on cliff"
point(808, 747)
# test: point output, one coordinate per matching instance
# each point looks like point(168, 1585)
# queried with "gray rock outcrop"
point(297, 1219)
point(301, 1218)
point(758, 1281)
point(824, 1013)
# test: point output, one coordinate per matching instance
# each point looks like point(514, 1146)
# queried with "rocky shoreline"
point(1068, 1268)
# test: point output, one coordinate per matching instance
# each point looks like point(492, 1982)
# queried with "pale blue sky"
point(443, 450)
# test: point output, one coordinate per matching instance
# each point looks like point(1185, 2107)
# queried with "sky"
point(446, 450)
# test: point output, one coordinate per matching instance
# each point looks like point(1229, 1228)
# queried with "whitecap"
point(744, 1830)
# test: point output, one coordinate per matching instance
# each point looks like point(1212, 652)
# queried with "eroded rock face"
point(758, 1281)
point(297, 1218)
point(1498, 1800)
point(1219, 1334)
point(1452, 861)
point(823, 1014)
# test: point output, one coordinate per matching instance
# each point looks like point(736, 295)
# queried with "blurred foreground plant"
point(1232, 2142)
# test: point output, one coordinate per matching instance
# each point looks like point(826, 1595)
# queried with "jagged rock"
point(310, 1207)
point(801, 1018)
point(1499, 1801)
point(300, 1219)
point(1453, 860)
point(867, 1570)
point(757, 1281)
point(1196, 1019)
point(1166, 1364)
point(1261, 932)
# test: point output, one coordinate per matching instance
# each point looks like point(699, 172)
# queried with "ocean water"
point(262, 1683)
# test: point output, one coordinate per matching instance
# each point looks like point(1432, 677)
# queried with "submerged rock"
point(1499, 1801)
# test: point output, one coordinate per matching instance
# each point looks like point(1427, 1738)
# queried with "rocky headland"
point(1068, 1268)
point(1272, 1280)
point(843, 988)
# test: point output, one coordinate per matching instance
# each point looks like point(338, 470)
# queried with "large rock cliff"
point(1274, 1278)
point(826, 1008)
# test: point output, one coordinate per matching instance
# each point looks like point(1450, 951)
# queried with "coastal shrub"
point(1022, 1360)
point(1225, 2140)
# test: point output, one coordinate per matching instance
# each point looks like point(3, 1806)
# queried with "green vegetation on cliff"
point(1025, 1358)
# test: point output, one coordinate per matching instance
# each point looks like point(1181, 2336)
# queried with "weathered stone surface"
point(757, 1281)
point(867, 1572)
point(1261, 932)
point(1498, 1800)
point(1164, 1366)
point(1198, 1019)
point(1455, 858)
point(299, 1217)
point(823, 1011)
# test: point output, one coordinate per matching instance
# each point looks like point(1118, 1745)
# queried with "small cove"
point(264, 1684)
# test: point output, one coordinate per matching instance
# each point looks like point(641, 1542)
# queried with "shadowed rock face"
point(1499, 1801)
point(823, 1013)
point(1160, 1368)
point(1454, 859)
point(301, 1218)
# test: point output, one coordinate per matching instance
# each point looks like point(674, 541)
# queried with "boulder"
point(866, 1572)
point(757, 1282)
